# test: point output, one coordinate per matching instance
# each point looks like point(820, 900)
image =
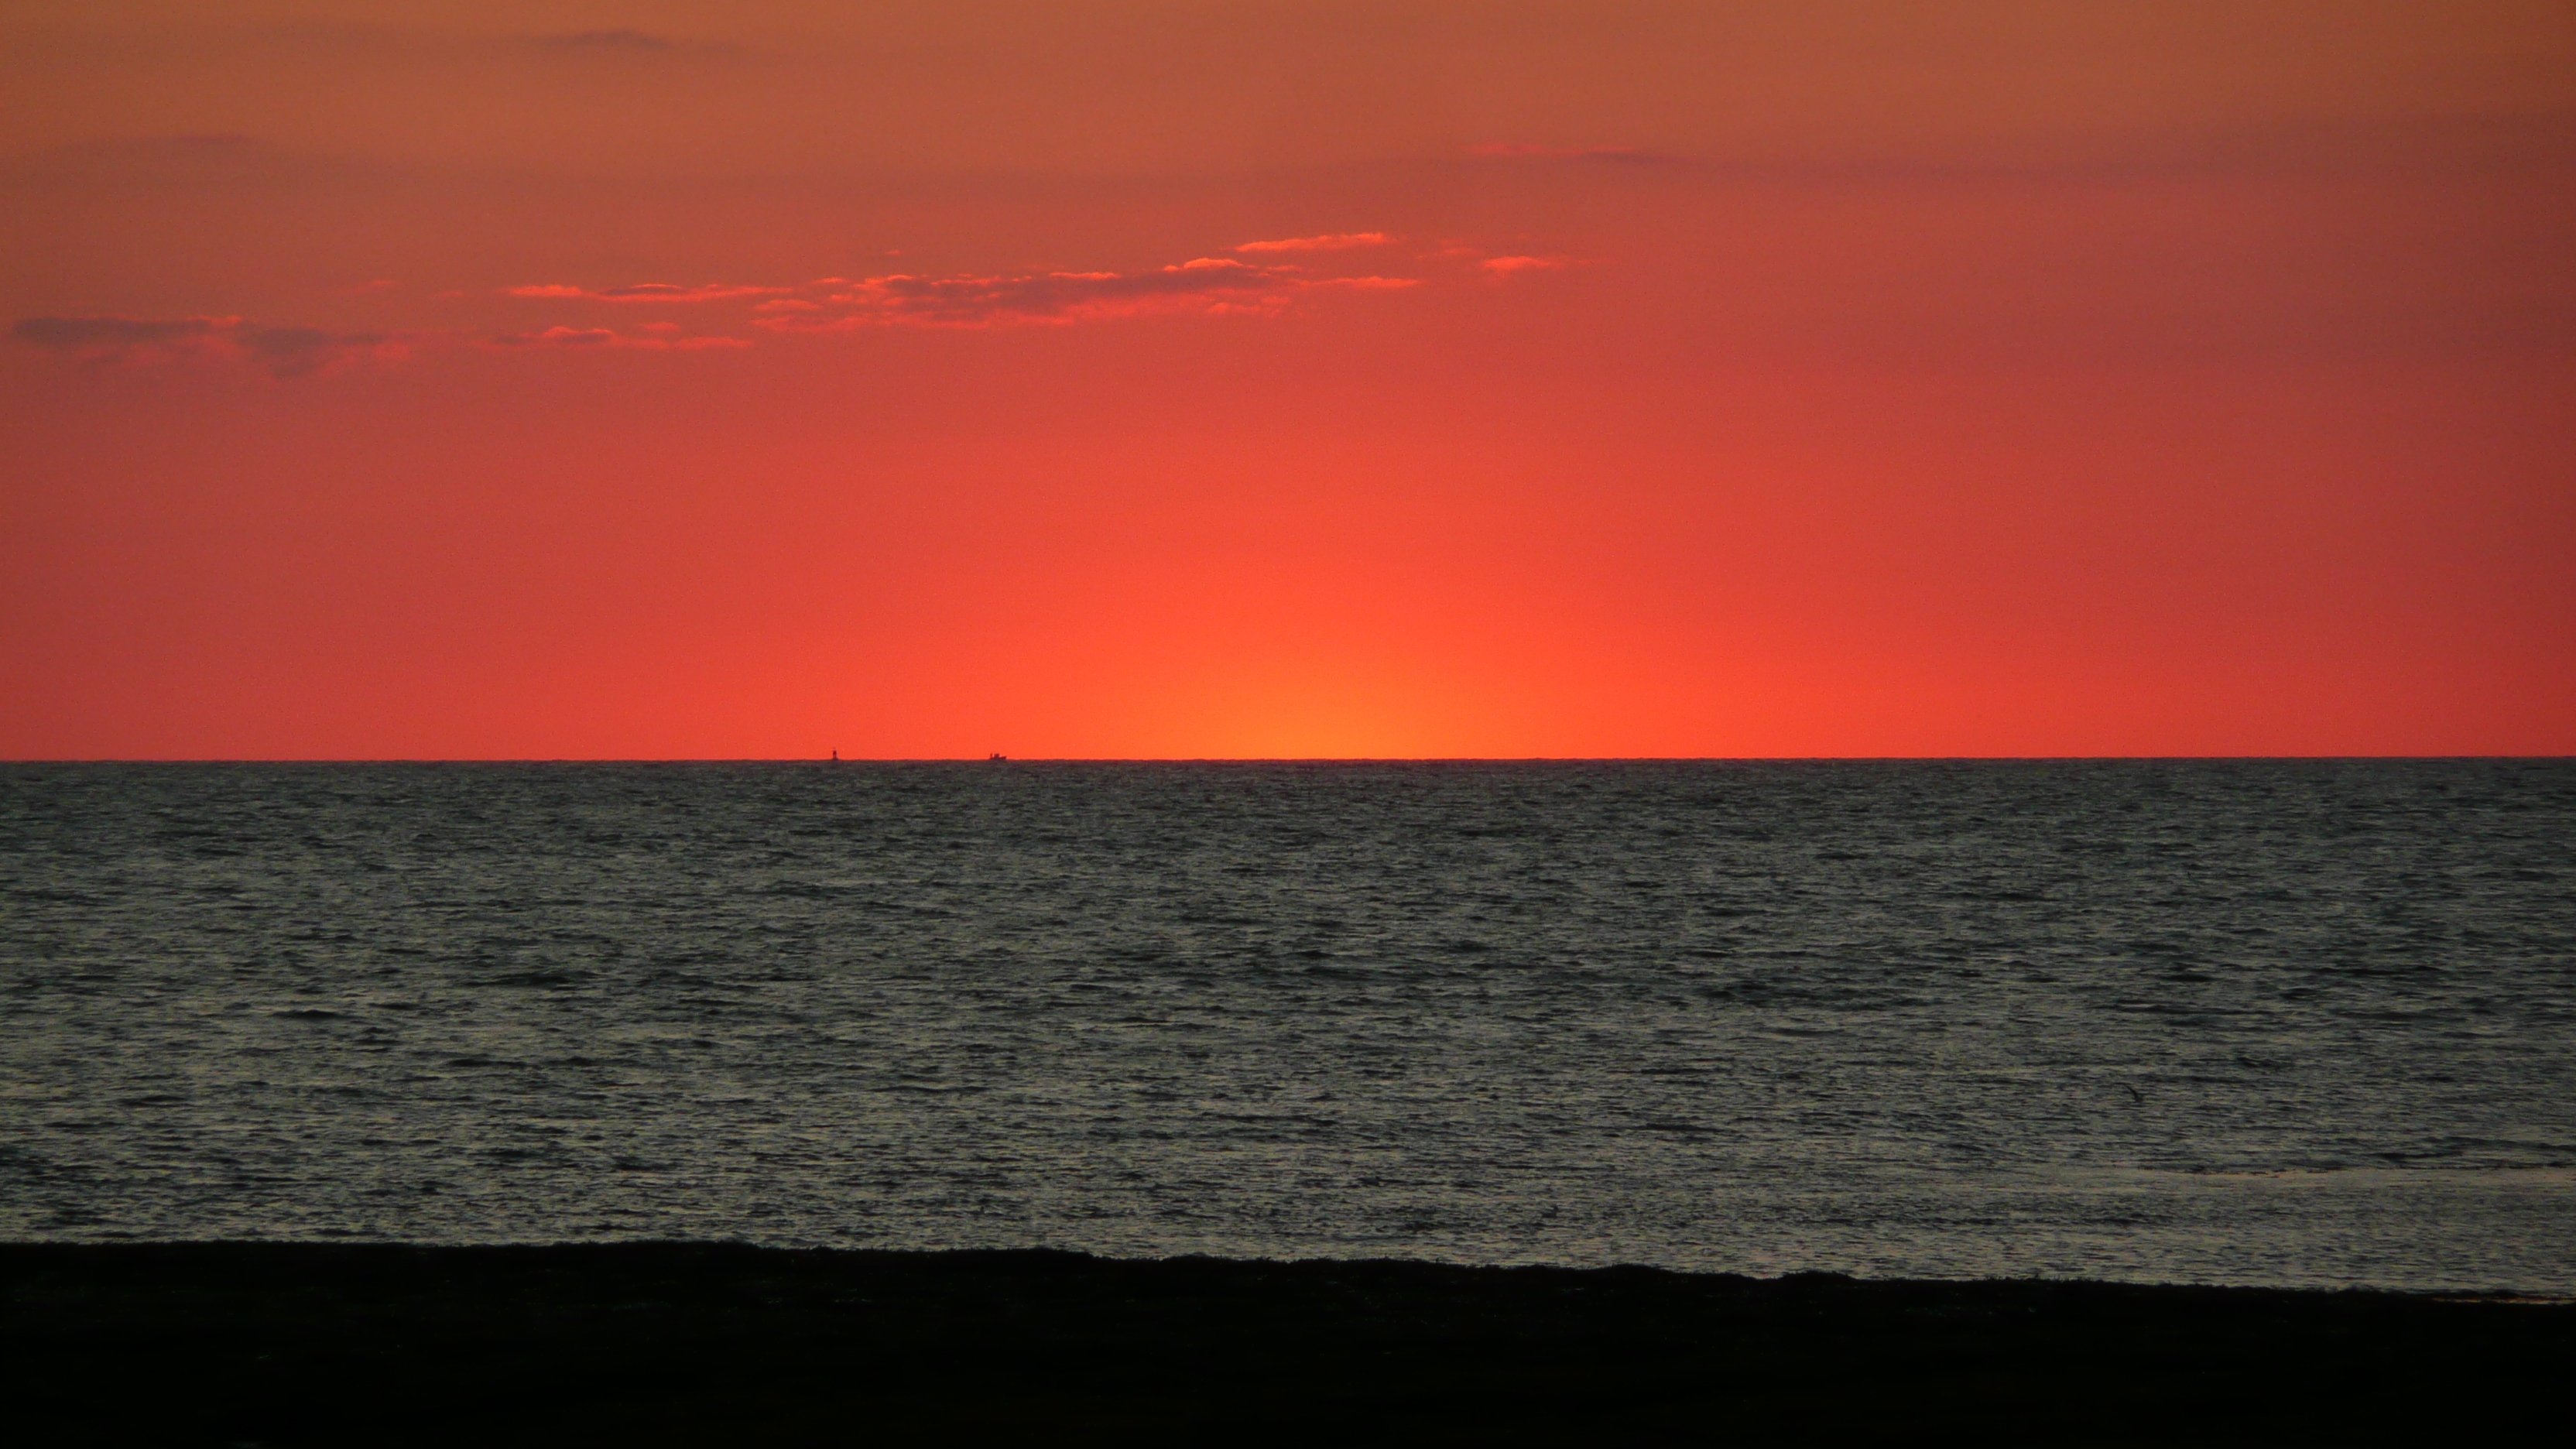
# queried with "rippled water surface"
point(2249, 1022)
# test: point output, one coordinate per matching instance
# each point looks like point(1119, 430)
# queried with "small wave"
point(538, 979)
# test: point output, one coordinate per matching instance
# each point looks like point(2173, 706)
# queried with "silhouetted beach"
point(673, 1343)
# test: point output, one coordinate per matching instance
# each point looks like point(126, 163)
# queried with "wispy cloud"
point(641, 292)
point(295, 351)
point(1217, 286)
point(283, 351)
point(113, 335)
point(1207, 284)
point(604, 338)
point(1336, 242)
point(1506, 266)
point(626, 44)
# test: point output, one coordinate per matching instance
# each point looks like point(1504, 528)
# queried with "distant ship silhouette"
point(998, 755)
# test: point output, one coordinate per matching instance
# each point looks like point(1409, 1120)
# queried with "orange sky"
point(681, 379)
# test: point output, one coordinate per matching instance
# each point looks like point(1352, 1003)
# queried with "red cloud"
point(643, 292)
point(1209, 284)
point(1337, 242)
point(601, 337)
point(1505, 266)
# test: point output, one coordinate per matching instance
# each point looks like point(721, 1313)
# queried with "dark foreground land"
point(710, 1344)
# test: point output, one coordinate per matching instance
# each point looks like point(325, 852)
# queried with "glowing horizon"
point(663, 380)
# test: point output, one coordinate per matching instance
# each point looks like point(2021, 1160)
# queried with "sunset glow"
point(569, 380)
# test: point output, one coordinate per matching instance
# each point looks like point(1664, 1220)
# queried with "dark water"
point(2291, 1023)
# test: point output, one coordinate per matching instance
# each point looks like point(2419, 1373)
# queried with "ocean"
point(2294, 1023)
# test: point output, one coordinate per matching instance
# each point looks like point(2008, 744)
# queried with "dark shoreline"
point(649, 1343)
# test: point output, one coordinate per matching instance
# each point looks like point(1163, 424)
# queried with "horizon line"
point(2320, 758)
